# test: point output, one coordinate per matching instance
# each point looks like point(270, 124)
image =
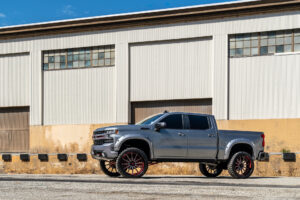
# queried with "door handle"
point(211, 135)
point(181, 134)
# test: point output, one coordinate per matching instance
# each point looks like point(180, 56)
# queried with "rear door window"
point(173, 121)
point(198, 122)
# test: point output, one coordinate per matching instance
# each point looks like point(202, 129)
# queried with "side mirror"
point(160, 125)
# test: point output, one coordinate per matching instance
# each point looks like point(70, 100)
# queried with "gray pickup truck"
point(127, 150)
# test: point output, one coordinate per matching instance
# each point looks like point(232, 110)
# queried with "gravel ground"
point(150, 187)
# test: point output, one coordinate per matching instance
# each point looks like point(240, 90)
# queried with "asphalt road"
point(150, 187)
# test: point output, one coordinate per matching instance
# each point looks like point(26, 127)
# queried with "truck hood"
point(123, 128)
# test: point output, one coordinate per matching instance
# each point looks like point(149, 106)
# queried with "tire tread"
point(203, 170)
point(231, 164)
point(142, 153)
point(106, 172)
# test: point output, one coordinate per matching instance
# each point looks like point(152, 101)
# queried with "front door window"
point(171, 140)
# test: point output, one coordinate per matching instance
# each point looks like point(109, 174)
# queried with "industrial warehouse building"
point(239, 61)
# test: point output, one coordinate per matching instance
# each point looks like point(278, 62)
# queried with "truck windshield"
point(149, 120)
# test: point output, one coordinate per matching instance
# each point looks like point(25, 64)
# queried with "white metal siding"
point(14, 80)
point(36, 87)
point(218, 29)
point(178, 69)
point(79, 96)
point(220, 76)
point(265, 87)
point(122, 83)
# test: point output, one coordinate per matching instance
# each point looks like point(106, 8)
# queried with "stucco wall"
point(62, 138)
point(280, 134)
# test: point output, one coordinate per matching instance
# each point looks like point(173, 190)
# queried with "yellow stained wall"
point(62, 138)
point(280, 134)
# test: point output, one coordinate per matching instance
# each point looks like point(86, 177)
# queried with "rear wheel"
point(241, 165)
point(132, 163)
point(210, 170)
point(109, 168)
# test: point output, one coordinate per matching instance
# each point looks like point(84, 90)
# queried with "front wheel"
point(210, 170)
point(241, 165)
point(132, 163)
point(109, 168)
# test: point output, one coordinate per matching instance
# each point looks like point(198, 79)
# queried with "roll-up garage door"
point(141, 110)
point(15, 80)
point(14, 129)
point(174, 69)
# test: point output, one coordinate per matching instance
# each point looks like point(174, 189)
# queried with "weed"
point(284, 150)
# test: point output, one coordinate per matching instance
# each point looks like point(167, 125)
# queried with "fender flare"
point(234, 142)
point(124, 139)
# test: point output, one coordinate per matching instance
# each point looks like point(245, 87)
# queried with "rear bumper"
point(103, 152)
point(263, 156)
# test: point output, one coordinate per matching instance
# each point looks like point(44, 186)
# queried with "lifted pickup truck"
point(127, 150)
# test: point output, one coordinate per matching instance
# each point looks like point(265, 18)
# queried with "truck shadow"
point(203, 177)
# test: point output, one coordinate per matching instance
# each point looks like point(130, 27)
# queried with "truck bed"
point(227, 138)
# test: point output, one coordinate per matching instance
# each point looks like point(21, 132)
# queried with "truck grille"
point(101, 142)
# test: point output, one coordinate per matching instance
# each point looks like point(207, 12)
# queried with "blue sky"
point(14, 12)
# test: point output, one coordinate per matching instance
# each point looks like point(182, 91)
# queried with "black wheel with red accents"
point(241, 165)
point(210, 170)
point(132, 163)
point(109, 168)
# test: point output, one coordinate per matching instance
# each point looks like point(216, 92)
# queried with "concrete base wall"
point(62, 138)
point(280, 134)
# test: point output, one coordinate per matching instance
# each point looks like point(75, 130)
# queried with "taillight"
point(263, 137)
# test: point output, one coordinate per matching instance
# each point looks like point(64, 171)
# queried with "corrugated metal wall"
point(122, 38)
point(79, 96)
point(177, 69)
point(265, 87)
point(14, 80)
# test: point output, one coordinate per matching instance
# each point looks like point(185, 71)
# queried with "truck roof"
point(188, 113)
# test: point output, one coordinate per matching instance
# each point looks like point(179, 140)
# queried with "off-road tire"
point(129, 158)
point(210, 171)
point(108, 169)
point(238, 161)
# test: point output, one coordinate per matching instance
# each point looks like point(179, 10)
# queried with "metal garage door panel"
point(141, 110)
point(167, 70)
point(14, 129)
point(15, 80)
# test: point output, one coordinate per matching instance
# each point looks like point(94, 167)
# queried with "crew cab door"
point(202, 137)
point(171, 141)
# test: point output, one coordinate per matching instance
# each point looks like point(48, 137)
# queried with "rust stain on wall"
point(280, 134)
point(62, 138)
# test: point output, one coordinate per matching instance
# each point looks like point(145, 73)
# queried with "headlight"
point(112, 131)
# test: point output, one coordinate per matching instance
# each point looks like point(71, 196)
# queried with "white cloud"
point(68, 10)
point(2, 15)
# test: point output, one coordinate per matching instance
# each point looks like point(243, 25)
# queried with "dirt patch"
point(276, 167)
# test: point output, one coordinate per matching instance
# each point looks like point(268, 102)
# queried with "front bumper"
point(103, 152)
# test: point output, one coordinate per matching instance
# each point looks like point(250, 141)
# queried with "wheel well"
point(241, 147)
point(137, 143)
